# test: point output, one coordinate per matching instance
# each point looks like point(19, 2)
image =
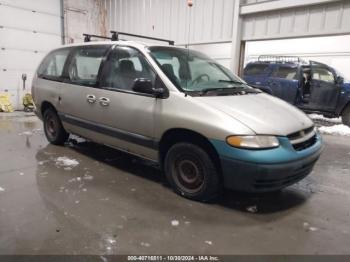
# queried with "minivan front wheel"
point(191, 172)
point(346, 116)
point(53, 128)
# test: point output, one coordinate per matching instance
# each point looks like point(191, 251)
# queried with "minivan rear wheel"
point(191, 172)
point(346, 116)
point(53, 128)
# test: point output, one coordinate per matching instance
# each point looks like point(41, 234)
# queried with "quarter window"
point(286, 73)
point(52, 66)
point(323, 74)
point(85, 65)
point(255, 69)
point(124, 66)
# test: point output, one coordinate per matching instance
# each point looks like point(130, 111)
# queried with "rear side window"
point(256, 69)
point(289, 73)
point(85, 64)
point(52, 66)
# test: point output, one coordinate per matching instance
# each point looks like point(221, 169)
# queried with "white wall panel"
point(207, 20)
point(40, 22)
point(329, 18)
point(220, 52)
point(47, 6)
point(19, 60)
point(27, 40)
point(28, 30)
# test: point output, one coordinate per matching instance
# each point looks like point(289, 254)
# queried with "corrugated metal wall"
point(313, 20)
point(211, 20)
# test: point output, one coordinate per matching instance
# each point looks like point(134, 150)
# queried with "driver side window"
point(124, 66)
point(323, 74)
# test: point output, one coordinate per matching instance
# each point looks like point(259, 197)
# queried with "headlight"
point(253, 142)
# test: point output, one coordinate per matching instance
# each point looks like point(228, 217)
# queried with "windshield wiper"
point(231, 81)
point(235, 89)
point(204, 91)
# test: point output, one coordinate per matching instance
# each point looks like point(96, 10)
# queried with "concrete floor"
point(111, 203)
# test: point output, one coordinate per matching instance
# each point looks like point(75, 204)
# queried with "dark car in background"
point(313, 87)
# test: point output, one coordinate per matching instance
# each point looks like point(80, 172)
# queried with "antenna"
point(190, 4)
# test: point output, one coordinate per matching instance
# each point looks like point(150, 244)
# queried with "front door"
point(129, 115)
point(324, 91)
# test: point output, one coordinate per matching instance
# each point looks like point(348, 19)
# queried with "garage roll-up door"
point(28, 30)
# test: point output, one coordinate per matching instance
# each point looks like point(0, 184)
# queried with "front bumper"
point(267, 170)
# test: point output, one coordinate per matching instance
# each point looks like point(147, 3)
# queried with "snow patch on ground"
point(30, 132)
point(66, 162)
point(144, 244)
point(341, 130)
point(309, 228)
point(112, 241)
point(321, 117)
point(26, 133)
point(313, 228)
point(175, 223)
point(252, 209)
point(208, 242)
point(88, 177)
point(2, 189)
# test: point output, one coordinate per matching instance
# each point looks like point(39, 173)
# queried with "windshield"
point(338, 73)
point(190, 70)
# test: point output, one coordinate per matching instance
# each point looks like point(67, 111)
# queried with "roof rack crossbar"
point(115, 37)
point(280, 59)
point(87, 37)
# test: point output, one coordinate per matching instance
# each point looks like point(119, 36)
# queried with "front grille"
point(303, 139)
point(301, 133)
point(306, 144)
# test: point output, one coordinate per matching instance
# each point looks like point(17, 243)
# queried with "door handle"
point(104, 101)
point(91, 99)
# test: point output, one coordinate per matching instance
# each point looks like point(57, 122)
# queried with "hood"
point(346, 86)
point(264, 114)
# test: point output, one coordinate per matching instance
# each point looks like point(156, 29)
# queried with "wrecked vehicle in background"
point(313, 87)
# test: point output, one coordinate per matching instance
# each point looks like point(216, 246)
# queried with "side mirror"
point(145, 86)
point(340, 80)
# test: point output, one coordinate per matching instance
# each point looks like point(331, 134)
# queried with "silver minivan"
point(205, 127)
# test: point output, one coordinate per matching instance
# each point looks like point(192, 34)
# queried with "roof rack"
point(115, 37)
point(280, 59)
point(87, 37)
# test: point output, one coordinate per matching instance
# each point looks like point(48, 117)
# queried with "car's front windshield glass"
point(339, 74)
point(193, 71)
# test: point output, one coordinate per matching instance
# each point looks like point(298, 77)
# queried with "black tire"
point(192, 173)
point(53, 128)
point(346, 116)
